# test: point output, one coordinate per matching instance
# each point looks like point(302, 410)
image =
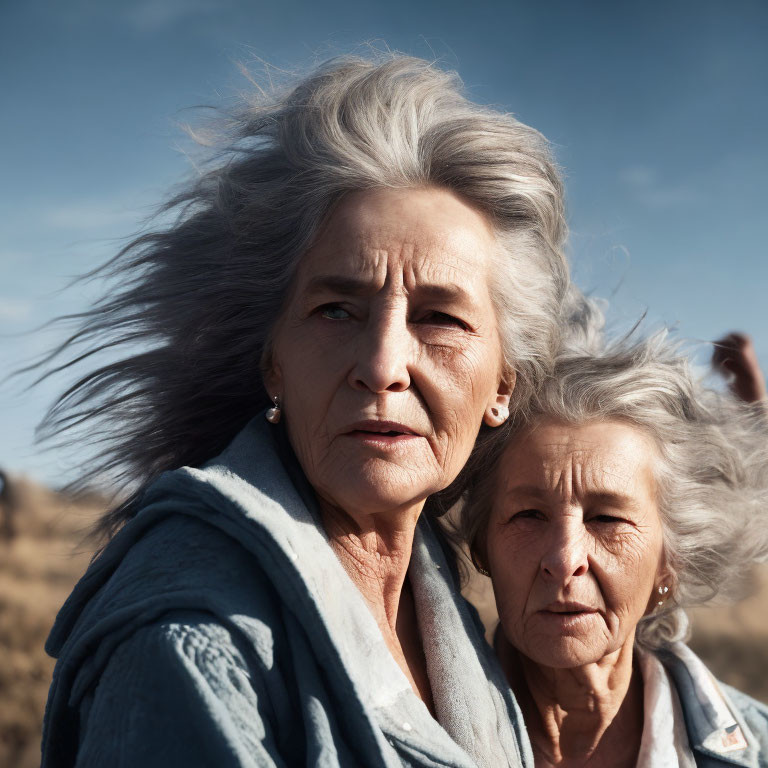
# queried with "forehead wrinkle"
point(578, 466)
point(575, 473)
point(353, 269)
point(455, 249)
point(558, 478)
point(366, 270)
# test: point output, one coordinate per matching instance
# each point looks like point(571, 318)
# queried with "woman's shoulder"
point(176, 558)
point(720, 718)
point(744, 701)
point(193, 640)
point(196, 645)
point(183, 689)
point(754, 712)
point(187, 635)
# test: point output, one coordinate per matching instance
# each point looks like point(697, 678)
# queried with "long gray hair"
point(712, 475)
point(200, 296)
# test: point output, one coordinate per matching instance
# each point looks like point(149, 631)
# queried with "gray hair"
point(200, 295)
point(712, 475)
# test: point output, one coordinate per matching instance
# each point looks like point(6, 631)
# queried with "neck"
point(590, 714)
point(375, 550)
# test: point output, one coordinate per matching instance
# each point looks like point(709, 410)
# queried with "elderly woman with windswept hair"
point(380, 262)
point(626, 494)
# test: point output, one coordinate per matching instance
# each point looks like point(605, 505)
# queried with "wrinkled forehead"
point(423, 233)
point(576, 460)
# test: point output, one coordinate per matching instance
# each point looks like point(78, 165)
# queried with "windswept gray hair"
point(712, 473)
point(200, 296)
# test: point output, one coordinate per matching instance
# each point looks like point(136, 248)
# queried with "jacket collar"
point(471, 695)
point(715, 726)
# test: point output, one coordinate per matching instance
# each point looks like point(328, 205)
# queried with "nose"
point(382, 355)
point(565, 553)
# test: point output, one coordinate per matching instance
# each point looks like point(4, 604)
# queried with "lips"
point(382, 428)
point(569, 608)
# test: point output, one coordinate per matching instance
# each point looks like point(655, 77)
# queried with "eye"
point(442, 319)
point(606, 519)
point(333, 312)
point(528, 514)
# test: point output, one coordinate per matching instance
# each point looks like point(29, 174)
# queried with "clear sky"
point(657, 110)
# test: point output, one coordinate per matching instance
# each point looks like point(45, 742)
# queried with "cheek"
point(456, 385)
point(309, 372)
point(626, 571)
point(308, 379)
point(513, 561)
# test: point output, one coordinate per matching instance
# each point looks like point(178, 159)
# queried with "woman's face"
point(574, 541)
point(387, 356)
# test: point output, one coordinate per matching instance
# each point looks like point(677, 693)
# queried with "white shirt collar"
point(665, 738)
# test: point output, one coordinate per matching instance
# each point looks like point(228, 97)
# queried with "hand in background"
point(735, 358)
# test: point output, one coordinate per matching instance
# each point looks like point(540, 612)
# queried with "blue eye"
point(333, 312)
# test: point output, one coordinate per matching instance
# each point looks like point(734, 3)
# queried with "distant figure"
point(7, 509)
point(735, 355)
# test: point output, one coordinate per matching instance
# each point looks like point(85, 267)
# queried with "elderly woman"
point(627, 493)
point(380, 262)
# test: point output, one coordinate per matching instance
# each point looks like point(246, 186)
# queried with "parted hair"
point(193, 302)
point(711, 473)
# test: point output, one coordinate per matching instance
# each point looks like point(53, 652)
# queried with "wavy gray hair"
point(712, 475)
point(201, 295)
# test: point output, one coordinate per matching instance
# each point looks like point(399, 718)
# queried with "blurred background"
point(657, 112)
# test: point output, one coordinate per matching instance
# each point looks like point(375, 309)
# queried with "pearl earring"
point(501, 412)
point(273, 414)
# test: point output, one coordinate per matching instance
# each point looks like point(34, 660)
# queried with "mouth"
point(381, 435)
point(568, 609)
point(375, 428)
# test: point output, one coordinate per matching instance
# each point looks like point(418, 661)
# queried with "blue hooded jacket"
point(219, 628)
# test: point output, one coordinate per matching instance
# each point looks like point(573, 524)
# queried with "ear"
point(497, 410)
point(479, 557)
point(663, 589)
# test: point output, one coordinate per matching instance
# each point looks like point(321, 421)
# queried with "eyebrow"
point(532, 491)
point(612, 498)
point(355, 286)
point(616, 499)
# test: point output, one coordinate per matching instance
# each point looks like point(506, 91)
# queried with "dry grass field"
point(39, 568)
point(37, 571)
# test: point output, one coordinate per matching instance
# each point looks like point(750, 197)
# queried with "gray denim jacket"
point(218, 628)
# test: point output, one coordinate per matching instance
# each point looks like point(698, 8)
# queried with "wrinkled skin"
point(575, 549)
point(390, 319)
point(575, 519)
point(411, 337)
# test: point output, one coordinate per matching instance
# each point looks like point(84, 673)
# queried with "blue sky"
point(657, 111)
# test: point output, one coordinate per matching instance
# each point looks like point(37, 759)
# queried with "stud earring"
point(662, 591)
point(500, 412)
point(273, 414)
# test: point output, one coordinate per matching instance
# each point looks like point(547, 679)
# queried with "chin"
point(565, 653)
point(380, 491)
